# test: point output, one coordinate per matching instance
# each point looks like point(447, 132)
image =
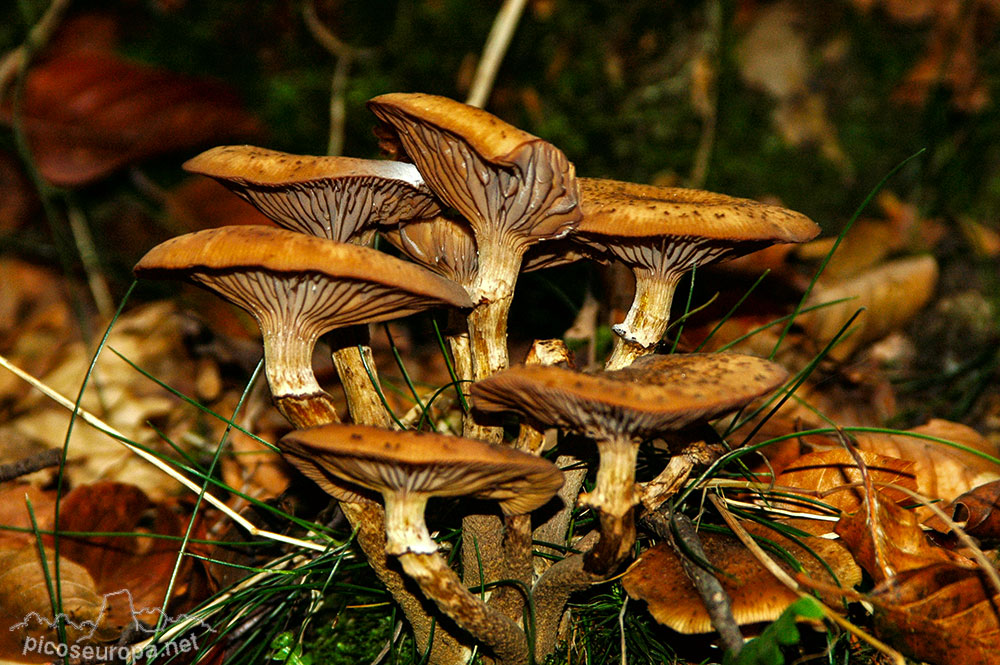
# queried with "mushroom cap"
point(505, 181)
point(330, 197)
point(440, 244)
point(370, 286)
point(428, 463)
point(493, 139)
point(656, 393)
point(756, 595)
point(613, 209)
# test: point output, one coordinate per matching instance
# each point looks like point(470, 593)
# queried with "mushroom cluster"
point(471, 201)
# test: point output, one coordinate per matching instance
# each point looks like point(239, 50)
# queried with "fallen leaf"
point(27, 606)
point(942, 613)
point(975, 511)
point(890, 294)
point(941, 471)
point(833, 477)
point(88, 113)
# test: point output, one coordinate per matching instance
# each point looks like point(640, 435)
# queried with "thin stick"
point(345, 55)
point(101, 426)
point(85, 247)
point(39, 35)
point(496, 47)
point(30, 464)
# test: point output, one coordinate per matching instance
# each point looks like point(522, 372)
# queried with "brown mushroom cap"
point(655, 394)
point(372, 286)
point(299, 287)
point(331, 197)
point(630, 211)
point(428, 463)
point(505, 181)
point(442, 245)
point(756, 595)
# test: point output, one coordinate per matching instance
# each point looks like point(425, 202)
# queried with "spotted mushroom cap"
point(506, 182)
point(655, 394)
point(429, 463)
point(756, 595)
point(339, 198)
point(642, 225)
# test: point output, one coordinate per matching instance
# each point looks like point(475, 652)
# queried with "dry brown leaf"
point(142, 565)
point(943, 614)
point(27, 608)
point(887, 540)
point(88, 113)
point(151, 336)
point(891, 295)
point(941, 471)
point(833, 477)
point(975, 511)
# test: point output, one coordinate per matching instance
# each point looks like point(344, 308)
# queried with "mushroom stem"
point(554, 529)
point(492, 629)
point(368, 522)
point(508, 599)
point(614, 495)
point(646, 320)
point(551, 593)
point(407, 538)
point(351, 353)
point(288, 367)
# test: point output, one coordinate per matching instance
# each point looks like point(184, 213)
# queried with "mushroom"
point(448, 248)
point(619, 409)
point(756, 595)
point(339, 198)
point(661, 233)
point(408, 468)
point(299, 287)
point(513, 188)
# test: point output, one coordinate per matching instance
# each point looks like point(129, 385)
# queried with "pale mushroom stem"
point(614, 496)
point(647, 318)
point(368, 522)
point(351, 353)
point(409, 540)
point(288, 367)
point(499, 264)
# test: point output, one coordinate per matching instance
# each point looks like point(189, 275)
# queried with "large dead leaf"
point(27, 606)
point(141, 565)
point(887, 540)
point(88, 113)
point(833, 477)
point(942, 614)
point(890, 294)
point(152, 337)
point(977, 512)
point(942, 471)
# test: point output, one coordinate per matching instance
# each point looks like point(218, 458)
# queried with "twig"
point(101, 426)
point(38, 36)
point(345, 55)
point(710, 112)
point(88, 257)
point(713, 596)
point(496, 46)
point(30, 464)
